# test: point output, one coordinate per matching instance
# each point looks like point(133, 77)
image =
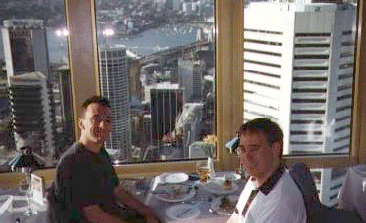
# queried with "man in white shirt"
point(270, 195)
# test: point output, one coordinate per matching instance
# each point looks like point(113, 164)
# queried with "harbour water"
point(157, 39)
point(145, 43)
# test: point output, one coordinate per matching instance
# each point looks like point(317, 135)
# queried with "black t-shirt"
point(84, 178)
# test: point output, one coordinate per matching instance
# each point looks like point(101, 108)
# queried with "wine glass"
point(203, 170)
point(29, 195)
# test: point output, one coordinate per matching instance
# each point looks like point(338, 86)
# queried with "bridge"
point(174, 52)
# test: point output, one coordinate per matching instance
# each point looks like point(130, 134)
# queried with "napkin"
point(153, 186)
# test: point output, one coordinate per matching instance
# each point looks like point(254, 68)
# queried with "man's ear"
point(81, 123)
point(277, 149)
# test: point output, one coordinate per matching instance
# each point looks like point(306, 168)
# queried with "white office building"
point(32, 115)
point(190, 77)
point(28, 73)
point(298, 71)
point(114, 72)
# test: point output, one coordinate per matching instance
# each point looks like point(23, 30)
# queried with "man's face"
point(96, 124)
point(257, 156)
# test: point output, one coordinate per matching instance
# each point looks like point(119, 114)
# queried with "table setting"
point(192, 197)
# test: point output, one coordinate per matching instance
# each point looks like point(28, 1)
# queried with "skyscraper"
point(29, 82)
point(298, 70)
point(32, 115)
point(25, 47)
point(166, 102)
point(114, 73)
point(190, 77)
point(6, 136)
point(63, 106)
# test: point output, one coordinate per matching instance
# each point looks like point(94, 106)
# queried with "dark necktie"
point(250, 199)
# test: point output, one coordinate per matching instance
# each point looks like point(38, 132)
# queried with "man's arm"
point(131, 201)
point(94, 214)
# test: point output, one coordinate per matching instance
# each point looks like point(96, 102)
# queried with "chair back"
point(53, 212)
point(301, 174)
point(316, 211)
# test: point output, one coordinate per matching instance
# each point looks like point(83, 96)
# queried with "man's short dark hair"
point(271, 129)
point(95, 99)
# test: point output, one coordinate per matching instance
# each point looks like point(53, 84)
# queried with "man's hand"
point(153, 219)
point(131, 201)
point(95, 215)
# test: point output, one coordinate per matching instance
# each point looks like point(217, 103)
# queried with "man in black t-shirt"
point(86, 185)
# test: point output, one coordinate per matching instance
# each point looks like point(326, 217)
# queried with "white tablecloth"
point(205, 215)
point(352, 195)
point(15, 207)
point(13, 213)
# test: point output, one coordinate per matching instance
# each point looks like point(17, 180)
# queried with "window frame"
point(229, 60)
point(83, 56)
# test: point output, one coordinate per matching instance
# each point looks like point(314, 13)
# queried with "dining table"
point(175, 197)
point(182, 198)
point(352, 195)
point(15, 206)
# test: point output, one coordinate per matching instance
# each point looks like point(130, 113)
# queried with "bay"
point(158, 39)
point(145, 43)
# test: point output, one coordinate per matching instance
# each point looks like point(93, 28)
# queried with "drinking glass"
point(29, 196)
point(203, 170)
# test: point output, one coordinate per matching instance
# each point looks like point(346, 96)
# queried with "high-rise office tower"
point(187, 7)
point(64, 109)
point(166, 104)
point(4, 99)
point(190, 77)
point(298, 70)
point(159, 5)
point(176, 4)
point(32, 114)
point(135, 87)
point(29, 81)
point(189, 126)
point(6, 136)
point(25, 47)
point(114, 73)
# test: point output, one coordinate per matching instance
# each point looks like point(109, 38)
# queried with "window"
point(312, 101)
point(91, 83)
point(162, 90)
point(84, 76)
point(35, 94)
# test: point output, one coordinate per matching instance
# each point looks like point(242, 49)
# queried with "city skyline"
point(122, 81)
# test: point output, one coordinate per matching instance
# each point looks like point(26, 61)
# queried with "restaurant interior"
point(229, 66)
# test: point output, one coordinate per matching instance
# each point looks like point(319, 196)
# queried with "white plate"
point(218, 207)
point(171, 197)
point(173, 178)
point(217, 187)
point(183, 211)
point(227, 175)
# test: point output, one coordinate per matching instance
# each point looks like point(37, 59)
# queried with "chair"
point(53, 212)
point(316, 212)
point(301, 174)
